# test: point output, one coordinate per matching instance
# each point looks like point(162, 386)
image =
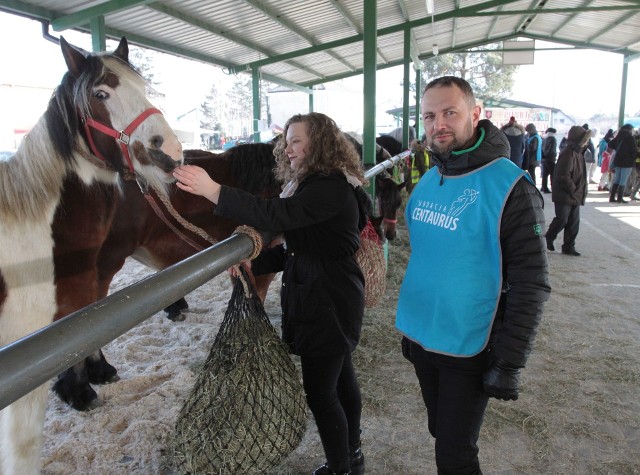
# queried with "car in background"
point(6, 154)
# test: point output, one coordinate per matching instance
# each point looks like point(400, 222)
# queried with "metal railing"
point(36, 358)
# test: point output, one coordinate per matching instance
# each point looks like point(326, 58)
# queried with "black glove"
point(406, 348)
point(501, 380)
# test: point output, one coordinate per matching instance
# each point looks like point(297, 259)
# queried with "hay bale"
point(246, 411)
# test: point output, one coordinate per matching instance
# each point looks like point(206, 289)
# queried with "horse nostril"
point(156, 142)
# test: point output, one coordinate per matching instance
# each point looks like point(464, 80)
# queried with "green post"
point(98, 41)
point(405, 88)
point(255, 83)
point(418, 97)
point(369, 88)
point(623, 92)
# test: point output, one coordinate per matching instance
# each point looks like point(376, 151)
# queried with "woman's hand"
point(234, 270)
point(195, 180)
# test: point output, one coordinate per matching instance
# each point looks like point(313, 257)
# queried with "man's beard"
point(456, 144)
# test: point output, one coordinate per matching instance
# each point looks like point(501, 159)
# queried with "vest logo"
point(537, 229)
point(442, 216)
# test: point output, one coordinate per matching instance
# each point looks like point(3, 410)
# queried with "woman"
point(321, 214)
point(626, 152)
point(602, 147)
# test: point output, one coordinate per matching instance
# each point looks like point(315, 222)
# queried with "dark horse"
point(57, 202)
point(387, 192)
point(137, 231)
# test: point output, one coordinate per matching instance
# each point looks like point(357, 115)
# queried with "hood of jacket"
point(490, 144)
point(578, 137)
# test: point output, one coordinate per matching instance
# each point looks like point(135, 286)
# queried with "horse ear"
point(122, 51)
point(74, 58)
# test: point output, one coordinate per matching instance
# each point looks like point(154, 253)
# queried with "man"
point(516, 136)
point(533, 152)
point(549, 154)
point(477, 279)
point(569, 191)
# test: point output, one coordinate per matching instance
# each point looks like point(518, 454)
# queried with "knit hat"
point(551, 129)
point(512, 119)
point(531, 129)
point(585, 126)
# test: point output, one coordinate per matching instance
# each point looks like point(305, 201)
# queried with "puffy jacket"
point(516, 136)
point(524, 260)
point(569, 179)
point(549, 148)
point(626, 150)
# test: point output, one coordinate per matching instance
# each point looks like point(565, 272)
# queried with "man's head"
point(531, 129)
point(449, 114)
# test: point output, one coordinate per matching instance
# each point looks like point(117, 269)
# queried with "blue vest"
point(452, 285)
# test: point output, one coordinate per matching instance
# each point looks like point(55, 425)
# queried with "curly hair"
point(329, 150)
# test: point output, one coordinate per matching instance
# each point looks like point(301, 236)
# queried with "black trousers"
point(456, 403)
point(546, 172)
point(567, 218)
point(333, 395)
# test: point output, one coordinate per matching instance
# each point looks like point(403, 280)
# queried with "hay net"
point(247, 410)
point(370, 256)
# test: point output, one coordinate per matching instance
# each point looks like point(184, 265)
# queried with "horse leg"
point(73, 388)
point(174, 311)
point(21, 426)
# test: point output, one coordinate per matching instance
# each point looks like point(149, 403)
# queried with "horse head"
point(103, 97)
point(389, 202)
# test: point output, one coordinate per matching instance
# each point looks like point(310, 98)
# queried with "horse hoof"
point(176, 316)
point(83, 399)
point(102, 372)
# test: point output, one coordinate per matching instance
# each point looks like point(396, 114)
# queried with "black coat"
point(322, 292)
point(569, 179)
point(626, 150)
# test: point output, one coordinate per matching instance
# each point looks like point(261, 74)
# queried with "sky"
point(580, 83)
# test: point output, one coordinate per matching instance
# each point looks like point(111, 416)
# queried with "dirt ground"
point(578, 411)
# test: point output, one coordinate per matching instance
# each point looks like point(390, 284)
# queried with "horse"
point(138, 231)
point(388, 198)
point(57, 196)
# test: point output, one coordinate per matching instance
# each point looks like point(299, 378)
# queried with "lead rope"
point(254, 235)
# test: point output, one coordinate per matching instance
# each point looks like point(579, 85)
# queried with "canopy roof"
point(304, 43)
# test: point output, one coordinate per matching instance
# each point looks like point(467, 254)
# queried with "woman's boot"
point(621, 195)
point(612, 193)
point(356, 459)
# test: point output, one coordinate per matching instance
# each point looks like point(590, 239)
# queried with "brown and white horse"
point(137, 230)
point(57, 202)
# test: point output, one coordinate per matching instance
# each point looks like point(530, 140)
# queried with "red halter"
point(121, 136)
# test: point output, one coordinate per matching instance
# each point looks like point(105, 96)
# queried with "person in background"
point(624, 160)
point(321, 212)
point(590, 156)
point(533, 153)
point(569, 191)
point(634, 180)
point(516, 136)
point(419, 164)
point(475, 225)
point(602, 147)
point(549, 154)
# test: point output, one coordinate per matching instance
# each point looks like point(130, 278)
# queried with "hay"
point(247, 409)
point(370, 256)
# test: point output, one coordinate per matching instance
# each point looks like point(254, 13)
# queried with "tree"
point(239, 106)
point(211, 110)
point(482, 69)
point(142, 60)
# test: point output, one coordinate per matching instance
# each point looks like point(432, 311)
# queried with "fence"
point(31, 361)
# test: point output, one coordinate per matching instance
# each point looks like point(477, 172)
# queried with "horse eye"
point(100, 94)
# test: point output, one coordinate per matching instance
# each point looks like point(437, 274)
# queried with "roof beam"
point(224, 33)
point(289, 26)
point(528, 18)
point(585, 4)
point(353, 23)
point(83, 17)
point(624, 17)
point(456, 5)
point(414, 50)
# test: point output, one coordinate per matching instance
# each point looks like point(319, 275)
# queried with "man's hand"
point(501, 380)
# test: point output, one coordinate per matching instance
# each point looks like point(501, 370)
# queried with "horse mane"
point(252, 167)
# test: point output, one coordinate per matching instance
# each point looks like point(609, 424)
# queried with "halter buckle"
point(123, 138)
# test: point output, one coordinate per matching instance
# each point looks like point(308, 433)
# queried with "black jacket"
point(626, 150)
point(524, 260)
point(549, 148)
point(569, 179)
point(322, 292)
